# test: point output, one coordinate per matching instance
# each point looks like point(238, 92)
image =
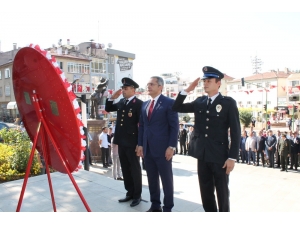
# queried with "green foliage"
point(245, 117)
point(14, 155)
point(186, 118)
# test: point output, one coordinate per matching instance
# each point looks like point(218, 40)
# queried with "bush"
point(245, 117)
point(14, 155)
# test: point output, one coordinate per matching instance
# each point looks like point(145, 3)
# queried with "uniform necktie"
point(126, 102)
point(209, 103)
point(150, 109)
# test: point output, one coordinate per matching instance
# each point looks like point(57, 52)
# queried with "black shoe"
point(120, 178)
point(91, 164)
point(135, 202)
point(282, 170)
point(126, 199)
point(269, 166)
point(108, 165)
point(154, 210)
point(105, 166)
point(290, 168)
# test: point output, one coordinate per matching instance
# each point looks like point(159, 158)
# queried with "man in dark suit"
point(270, 144)
point(158, 132)
point(126, 137)
point(182, 139)
point(214, 115)
point(295, 145)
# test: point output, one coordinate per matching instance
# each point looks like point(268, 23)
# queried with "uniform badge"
point(205, 68)
point(130, 113)
point(218, 108)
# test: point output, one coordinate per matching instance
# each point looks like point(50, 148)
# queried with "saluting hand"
point(193, 85)
point(116, 94)
point(229, 165)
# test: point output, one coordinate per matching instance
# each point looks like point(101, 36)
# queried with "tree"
point(186, 118)
point(245, 117)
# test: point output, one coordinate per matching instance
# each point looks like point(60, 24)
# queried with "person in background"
point(104, 146)
point(261, 139)
point(182, 140)
point(244, 153)
point(284, 151)
point(270, 144)
point(109, 137)
point(251, 147)
point(116, 169)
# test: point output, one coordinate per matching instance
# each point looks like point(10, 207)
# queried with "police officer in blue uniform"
point(126, 137)
point(214, 116)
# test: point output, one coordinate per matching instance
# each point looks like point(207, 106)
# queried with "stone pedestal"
point(94, 127)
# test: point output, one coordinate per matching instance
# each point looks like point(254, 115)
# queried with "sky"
point(165, 36)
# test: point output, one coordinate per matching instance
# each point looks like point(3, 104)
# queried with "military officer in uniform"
point(284, 150)
point(126, 137)
point(214, 115)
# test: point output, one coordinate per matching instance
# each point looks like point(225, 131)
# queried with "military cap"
point(129, 82)
point(210, 72)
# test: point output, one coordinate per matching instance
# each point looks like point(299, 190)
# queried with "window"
point(7, 73)
point(60, 64)
point(111, 76)
point(239, 87)
point(78, 68)
point(112, 60)
point(295, 82)
point(231, 87)
point(1, 92)
point(267, 84)
point(269, 102)
point(259, 85)
point(258, 103)
point(7, 90)
point(98, 67)
point(240, 103)
point(248, 86)
point(249, 102)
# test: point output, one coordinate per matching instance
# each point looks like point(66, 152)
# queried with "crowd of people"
point(274, 150)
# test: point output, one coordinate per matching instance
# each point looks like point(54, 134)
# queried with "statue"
point(97, 97)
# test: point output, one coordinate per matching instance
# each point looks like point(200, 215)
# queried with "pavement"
point(252, 189)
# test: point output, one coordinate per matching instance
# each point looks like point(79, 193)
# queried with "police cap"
point(127, 82)
point(210, 72)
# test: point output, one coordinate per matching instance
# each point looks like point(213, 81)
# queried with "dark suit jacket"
point(295, 146)
point(161, 130)
point(126, 130)
point(211, 127)
point(271, 142)
point(182, 135)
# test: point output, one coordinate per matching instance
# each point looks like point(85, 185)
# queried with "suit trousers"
point(212, 176)
point(277, 158)
point(261, 154)
point(271, 158)
point(294, 160)
point(104, 157)
point(131, 170)
point(283, 160)
point(159, 167)
point(182, 147)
